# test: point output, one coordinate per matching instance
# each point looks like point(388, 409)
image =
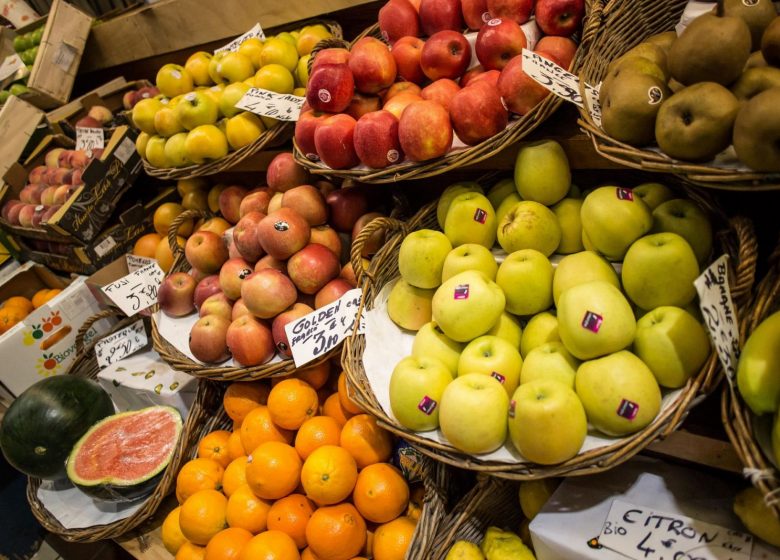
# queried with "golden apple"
point(173, 80)
point(140, 144)
point(144, 112)
point(155, 152)
point(166, 123)
point(205, 143)
point(279, 51)
point(198, 67)
point(310, 36)
point(243, 129)
point(230, 96)
point(174, 150)
point(252, 48)
point(235, 67)
point(275, 77)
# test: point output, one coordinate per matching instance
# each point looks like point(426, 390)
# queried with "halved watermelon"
point(122, 457)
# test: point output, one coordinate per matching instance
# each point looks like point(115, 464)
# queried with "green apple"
point(542, 172)
point(758, 370)
point(493, 356)
point(506, 205)
point(529, 225)
point(409, 307)
point(500, 191)
point(467, 305)
point(672, 343)
point(586, 242)
point(567, 211)
point(449, 195)
point(471, 219)
point(155, 152)
point(431, 341)
point(526, 277)
point(550, 360)
point(472, 415)
point(421, 258)
point(195, 109)
point(595, 319)
point(541, 328)
point(174, 150)
point(143, 114)
point(416, 387)
point(547, 422)
point(619, 393)
point(585, 266)
point(685, 218)
point(469, 256)
point(659, 269)
point(613, 218)
point(653, 194)
point(508, 328)
point(229, 96)
point(173, 80)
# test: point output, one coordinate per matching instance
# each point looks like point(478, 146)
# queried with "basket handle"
point(391, 225)
point(331, 43)
point(84, 329)
point(747, 258)
point(173, 230)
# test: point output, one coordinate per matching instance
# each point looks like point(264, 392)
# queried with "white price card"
point(313, 335)
point(12, 64)
point(88, 138)
point(136, 291)
point(643, 534)
point(121, 344)
point(233, 45)
point(134, 262)
point(281, 106)
point(717, 308)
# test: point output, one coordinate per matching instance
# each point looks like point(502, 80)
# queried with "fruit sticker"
point(324, 95)
point(627, 409)
point(480, 216)
point(494, 22)
point(281, 225)
point(498, 377)
point(624, 194)
point(461, 291)
point(655, 95)
point(427, 405)
point(393, 155)
point(512, 406)
point(592, 321)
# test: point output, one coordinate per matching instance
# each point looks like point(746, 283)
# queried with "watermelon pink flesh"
point(128, 447)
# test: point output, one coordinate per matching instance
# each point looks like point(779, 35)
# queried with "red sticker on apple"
point(324, 95)
point(592, 321)
point(512, 405)
point(498, 376)
point(628, 409)
point(461, 291)
point(427, 405)
point(624, 194)
point(480, 216)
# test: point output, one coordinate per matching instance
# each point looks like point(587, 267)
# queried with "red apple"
point(334, 142)
point(308, 202)
point(88, 122)
point(470, 74)
point(377, 238)
point(206, 287)
point(239, 309)
point(562, 49)
point(398, 18)
point(475, 13)
point(281, 341)
point(559, 17)
point(231, 276)
point(400, 87)
point(129, 100)
point(346, 206)
point(517, 10)
point(246, 238)
point(330, 88)
point(372, 66)
point(36, 173)
point(205, 251)
point(175, 295)
point(230, 203)
point(208, 339)
point(198, 275)
point(268, 292)
point(250, 341)
point(441, 91)
point(304, 132)
point(52, 158)
point(440, 15)
point(490, 77)
point(399, 102)
point(362, 104)
point(446, 54)
point(477, 113)
point(327, 236)
point(331, 291)
point(425, 131)
point(520, 92)
point(217, 304)
point(332, 55)
point(256, 201)
point(269, 262)
point(498, 42)
point(376, 140)
point(348, 274)
point(283, 233)
point(284, 173)
point(407, 52)
point(312, 267)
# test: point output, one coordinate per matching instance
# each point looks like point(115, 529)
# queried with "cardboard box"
point(18, 123)
point(44, 343)
point(59, 54)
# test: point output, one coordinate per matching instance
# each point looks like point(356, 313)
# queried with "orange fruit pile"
point(14, 309)
point(303, 475)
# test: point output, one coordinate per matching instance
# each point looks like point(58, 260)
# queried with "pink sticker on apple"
point(512, 405)
point(480, 216)
point(498, 376)
point(427, 405)
point(461, 291)
point(624, 194)
point(592, 321)
point(628, 409)
point(493, 22)
point(281, 225)
point(324, 95)
point(392, 156)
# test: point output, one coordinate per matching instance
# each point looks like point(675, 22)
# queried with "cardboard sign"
point(88, 139)
point(643, 534)
point(136, 291)
point(12, 64)
point(717, 308)
point(315, 334)
point(121, 344)
point(134, 262)
point(233, 45)
point(284, 107)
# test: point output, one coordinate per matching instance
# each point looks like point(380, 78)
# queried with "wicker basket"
point(625, 26)
point(595, 12)
point(738, 240)
point(737, 417)
point(205, 415)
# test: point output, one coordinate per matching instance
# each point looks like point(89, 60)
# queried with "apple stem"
point(720, 8)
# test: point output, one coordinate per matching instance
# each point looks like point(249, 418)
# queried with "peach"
point(52, 158)
point(36, 173)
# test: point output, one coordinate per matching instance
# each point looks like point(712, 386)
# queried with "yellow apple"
point(431, 341)
point(533, 494)
point(184, 186)
point(231, 95)
point(500, 191)
point(302, 71)
point(300, 91)
point(495, 357)
point(198, 67)
point(508, 328)
point(568, 213)
point(416, 386)
point(529, 225)
point(409, 307)
point(140, 144)
point(310, 36)
point(449, 195)
point(526, 277)
point(579, 268)
point(279, 51)
point(173, 80)
point(166, 123)
point(215, 92)
point(275, 77)
point(541, 328)
point(467, 305)
point(213, 197)
point(421, 258)
point(473, 413)
point(251, 48)
point(235, 67)
point(243, 129)
point(759, 364)
point(213, 65)
point(155, 152)
point(196, 109)
point(470, 219)
point(143, 114)
point(174, 150)
point(205, 143)
point(551, 360)
point(287, 37)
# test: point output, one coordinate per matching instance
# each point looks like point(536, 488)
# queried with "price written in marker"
point(643, 534)
point(134, 262)
point(314, 335)
point(720, 318)
point(89, 139)
point(284, 107)
point(121, 344)
point(233, 45)
point(136, 291)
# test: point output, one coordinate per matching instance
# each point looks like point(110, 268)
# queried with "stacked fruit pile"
point(194, 119)
point(475, 374)
point(26, 46)
point(14, 309)
point(371, 124)
point(303, 474)
point(695, 102)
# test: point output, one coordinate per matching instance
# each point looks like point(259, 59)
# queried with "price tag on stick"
point(233, 45)
point(88, 139)
point(283, 107)
point(136, 291)
point(121, 344)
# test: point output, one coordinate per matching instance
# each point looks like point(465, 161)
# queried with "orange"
point(290, 515)
point(316, 432)
point(235, 449)
point(247, 511)
point(227, 544)
point(258, 428)
point(307, 554)
point(416, 500)
point(21, 303)
point(273, 470)
point(346, 403)
point(329, 475)
point(172, 537)
point(235, 475)
point(291, 402)
point(163, 253)
point(146, 245)
point(165, 214)
point(381, 493)
point(316, 375)
point(336, 532)
point(202, 516)
point(40, 297)
point(366, 441)
point(10, 316)
point(270, 545)
point(392, 539)
point(198, 474)
point(189, 551)
point(241, 397)
point(214, 445)
point(332, 408)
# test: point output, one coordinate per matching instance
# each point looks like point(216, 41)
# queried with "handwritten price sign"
point(315, 334)
point(284, 107)
point(136, 291)
point(134, 262)
point(10, 66)
point(121, 344)
point(88, 139)
point(233, 45)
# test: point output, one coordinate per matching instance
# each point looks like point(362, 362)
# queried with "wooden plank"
point(701, 450)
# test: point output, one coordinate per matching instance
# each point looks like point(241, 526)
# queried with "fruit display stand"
point(205, 415)
point(736, 238)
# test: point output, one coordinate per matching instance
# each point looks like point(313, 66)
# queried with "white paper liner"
point(387, 344)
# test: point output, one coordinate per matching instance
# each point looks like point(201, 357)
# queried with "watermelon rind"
point(111, 488)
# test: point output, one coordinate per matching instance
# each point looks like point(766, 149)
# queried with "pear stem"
point(720, 8)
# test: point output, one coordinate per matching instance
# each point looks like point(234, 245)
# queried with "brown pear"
point(755, 80)
point(629, 108)
point(756, 60)
point(663, 40)
point(645, 50)
point(757, 132)
point(757, 14)
point(770, 43)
